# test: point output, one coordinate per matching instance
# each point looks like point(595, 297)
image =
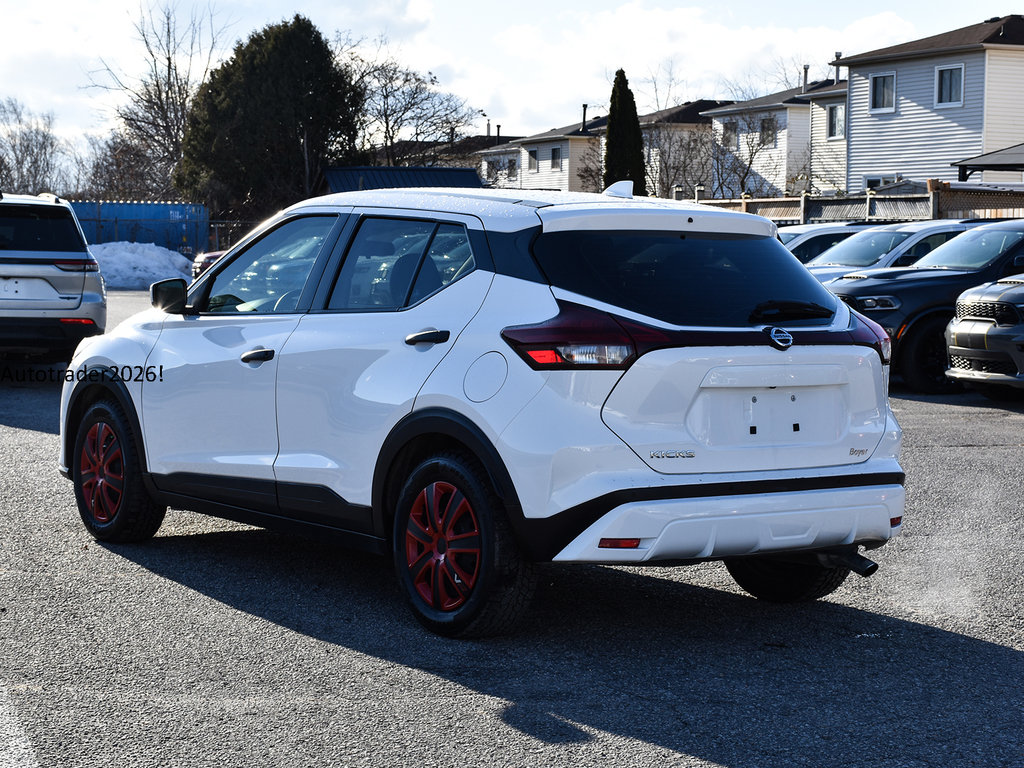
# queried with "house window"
point(874, 182)
point(512, 168)
point(556, 158)
point(731, 135)
point(883, 92)
point(949, 86)
point(835, 127)
point(769, 131)
point(532, 159)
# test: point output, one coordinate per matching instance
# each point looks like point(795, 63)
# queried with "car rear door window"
point(393, 263)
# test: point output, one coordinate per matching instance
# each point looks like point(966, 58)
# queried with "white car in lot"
point(476, 381)
point(888, 245)
point(805, 241)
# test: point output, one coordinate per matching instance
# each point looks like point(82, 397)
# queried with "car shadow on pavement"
point(703, 672)
point(30, 395)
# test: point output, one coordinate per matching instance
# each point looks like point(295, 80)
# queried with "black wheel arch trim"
point(454, 425)
point(110, 383)
point(916, 321)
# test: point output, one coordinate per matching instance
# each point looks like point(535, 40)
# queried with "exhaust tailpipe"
point(851, 559)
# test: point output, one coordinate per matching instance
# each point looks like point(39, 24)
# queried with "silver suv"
point(51, 292)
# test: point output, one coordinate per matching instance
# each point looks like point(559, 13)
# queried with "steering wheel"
point(287, 301)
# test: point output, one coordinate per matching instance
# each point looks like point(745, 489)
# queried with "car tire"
point(458, 564)
point(107, 474)
point(785, 581)
point(923, 359)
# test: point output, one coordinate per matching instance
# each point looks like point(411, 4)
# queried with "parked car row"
point(946, 294)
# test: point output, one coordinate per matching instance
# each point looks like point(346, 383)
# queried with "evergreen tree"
point(624, 144)
point(267, 121)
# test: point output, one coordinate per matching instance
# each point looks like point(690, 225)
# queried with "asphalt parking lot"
point(217, 644)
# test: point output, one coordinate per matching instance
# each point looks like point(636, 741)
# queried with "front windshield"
point(974, 249)
point(860, 250)
point(785, 237)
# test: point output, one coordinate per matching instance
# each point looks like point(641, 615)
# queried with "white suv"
point(51, 291)
point(475, 381)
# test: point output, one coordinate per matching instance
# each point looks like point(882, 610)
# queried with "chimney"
point(839, 55)
point(488, 126)
point(499, 131)
point(583, 125)
point(806, 67)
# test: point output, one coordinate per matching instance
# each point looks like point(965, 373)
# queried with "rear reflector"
point(619, 543)
point(895, 521)
point(78, 320)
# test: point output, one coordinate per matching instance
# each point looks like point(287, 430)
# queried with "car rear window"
point(38, 228)
point(686, 279)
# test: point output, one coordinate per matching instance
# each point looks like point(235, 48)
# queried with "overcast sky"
point(529, 65)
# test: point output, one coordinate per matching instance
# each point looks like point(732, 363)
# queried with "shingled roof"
point(1005, 30)
point(791, 96)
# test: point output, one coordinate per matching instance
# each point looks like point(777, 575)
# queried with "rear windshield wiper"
point(776, 310)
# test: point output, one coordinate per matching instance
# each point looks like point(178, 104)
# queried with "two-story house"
point(916, 108)
point(762, 145)
point(571, 158)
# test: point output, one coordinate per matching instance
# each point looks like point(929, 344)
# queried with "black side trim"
point(551, 535)
point(242, 492)
point(320, 505)
point(268, 520)
point(315, 505)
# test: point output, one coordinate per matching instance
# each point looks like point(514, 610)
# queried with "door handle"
point(428, 337)
point(257, 356)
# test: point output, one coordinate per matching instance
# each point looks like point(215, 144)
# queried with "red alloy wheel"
point(102, 472)
point(443, 547)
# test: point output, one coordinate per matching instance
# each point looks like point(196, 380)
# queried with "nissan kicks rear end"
point(474, 382)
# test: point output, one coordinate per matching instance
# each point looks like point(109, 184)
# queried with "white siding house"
point(917, 107)
point(762, 146)
point(572, 158)
point(827, 167)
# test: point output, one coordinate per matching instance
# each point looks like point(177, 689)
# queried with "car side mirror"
point(169, 295)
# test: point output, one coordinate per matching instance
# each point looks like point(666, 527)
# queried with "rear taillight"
point(580, 337)
point(882, 342)
point(77, 265)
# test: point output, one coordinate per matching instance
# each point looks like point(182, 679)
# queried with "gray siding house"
point(916, 108)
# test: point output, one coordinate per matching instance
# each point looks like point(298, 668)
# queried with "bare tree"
point(678, 157)
point(33, 158)
point(408, 117)
point(179, 55)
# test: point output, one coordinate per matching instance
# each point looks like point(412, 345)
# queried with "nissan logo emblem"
point(780, 338)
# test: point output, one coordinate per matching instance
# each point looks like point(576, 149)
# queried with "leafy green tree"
point(624, 143)
point(267, 121)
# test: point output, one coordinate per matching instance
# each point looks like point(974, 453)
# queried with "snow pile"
point(136, 265)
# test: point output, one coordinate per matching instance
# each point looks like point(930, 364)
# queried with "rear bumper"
point(717, 527)
point(30, 335)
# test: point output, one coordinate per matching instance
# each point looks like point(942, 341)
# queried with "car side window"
point(270, 274)
point(395, 262)
point(450, 256)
